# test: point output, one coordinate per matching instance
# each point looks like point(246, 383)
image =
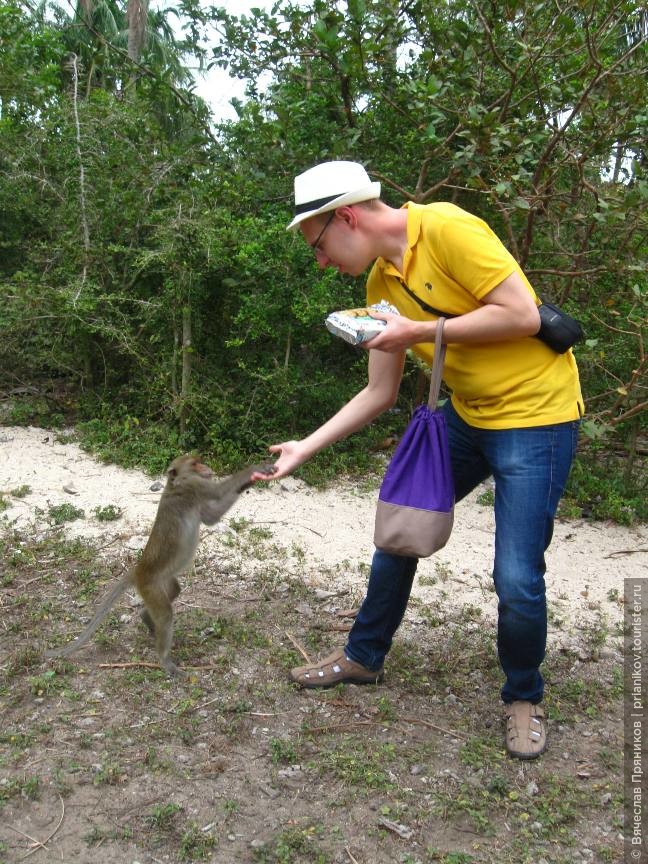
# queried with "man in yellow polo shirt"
point(513, 415)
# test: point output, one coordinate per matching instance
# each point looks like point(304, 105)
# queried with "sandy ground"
point(326, 535)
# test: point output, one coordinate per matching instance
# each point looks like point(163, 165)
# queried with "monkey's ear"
point(172, 473)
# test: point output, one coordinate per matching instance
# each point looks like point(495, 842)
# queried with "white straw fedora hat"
point(330, 185)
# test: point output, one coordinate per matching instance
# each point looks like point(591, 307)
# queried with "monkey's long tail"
point(106, 605)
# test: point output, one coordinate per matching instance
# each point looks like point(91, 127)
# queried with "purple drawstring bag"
point(415, 508)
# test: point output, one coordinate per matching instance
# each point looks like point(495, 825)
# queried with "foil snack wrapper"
point(356, 325)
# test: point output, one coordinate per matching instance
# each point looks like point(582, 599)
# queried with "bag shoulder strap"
point(425, 306)
point(437, 366)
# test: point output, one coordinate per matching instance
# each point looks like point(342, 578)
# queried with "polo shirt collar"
point(414, 219)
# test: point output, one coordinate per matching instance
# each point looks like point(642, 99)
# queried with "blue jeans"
point(530, 467)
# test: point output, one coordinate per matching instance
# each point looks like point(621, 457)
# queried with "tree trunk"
point(186, 365)
point(174, 363)
point(136, 13)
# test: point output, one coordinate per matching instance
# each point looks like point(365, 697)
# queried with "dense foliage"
point(149, 287)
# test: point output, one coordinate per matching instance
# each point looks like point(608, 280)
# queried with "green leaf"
point(521, 203)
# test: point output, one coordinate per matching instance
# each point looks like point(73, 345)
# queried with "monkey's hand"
point(266, 471)
point(292, 454)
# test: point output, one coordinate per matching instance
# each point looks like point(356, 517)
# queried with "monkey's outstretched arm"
point(221, 496)
point(106, 605)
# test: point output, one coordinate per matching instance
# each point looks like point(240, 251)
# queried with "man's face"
point(334, 239)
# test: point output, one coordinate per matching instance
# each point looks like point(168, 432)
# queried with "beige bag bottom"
point(409, 531)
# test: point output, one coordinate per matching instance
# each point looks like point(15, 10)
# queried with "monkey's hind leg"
point(158, 616)
point(145, 615)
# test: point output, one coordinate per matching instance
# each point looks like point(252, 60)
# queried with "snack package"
point(356, 325)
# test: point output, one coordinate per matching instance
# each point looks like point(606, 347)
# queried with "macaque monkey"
point(191, 496)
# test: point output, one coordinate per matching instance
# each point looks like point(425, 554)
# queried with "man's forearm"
point(384, 376)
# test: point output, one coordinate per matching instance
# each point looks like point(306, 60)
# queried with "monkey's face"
point(202, 469)
point(188, 466)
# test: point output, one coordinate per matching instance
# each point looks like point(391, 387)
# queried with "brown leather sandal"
point(526, 736)
point(332, 670)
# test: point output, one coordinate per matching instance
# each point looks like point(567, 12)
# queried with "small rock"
point(532, 788)
point(304, 609)
point(135, 542)
point(403, 831)
point(415, 770)
point(155, 487)
point(606, 798)
point(321, 594)
point(257, 843)
point(69, 488)
point(290, 773)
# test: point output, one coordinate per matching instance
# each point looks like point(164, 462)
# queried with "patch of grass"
point(359, 764)
point(46, 684)
point(22, 660)
point(482, 752)
point(87, 583)
point(443, 570)
point(99, 835)
point(486, 498)
point(65, 437)
point(109, 513)
point(28, 788)
point(21, 491)
point(62, 513)
point(236, 632)
point(588, 694)
point(558, 805)
point(109, 774)
point(196, 844)
point(598, 488)
point(282, 751)
point(163, 816)
point(293, 845)
point(95, 836)
point(16, 740)
point(464, 800)
point(449, 857)
point(231, 807)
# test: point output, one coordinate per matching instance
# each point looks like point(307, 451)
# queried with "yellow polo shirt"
point(453, 259)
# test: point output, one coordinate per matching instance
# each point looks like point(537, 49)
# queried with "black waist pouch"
point(558, 330)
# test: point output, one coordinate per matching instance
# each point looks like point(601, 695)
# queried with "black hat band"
point(315, 205)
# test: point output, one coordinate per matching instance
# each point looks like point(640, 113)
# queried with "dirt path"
point(325, 532)
point(105, 760)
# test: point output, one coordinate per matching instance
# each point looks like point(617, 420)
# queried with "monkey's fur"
point(191, 496)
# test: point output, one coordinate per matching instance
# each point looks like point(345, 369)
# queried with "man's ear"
point(348, 215)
